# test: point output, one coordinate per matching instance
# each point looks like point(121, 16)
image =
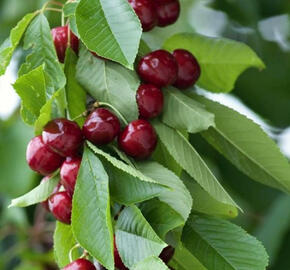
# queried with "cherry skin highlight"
point(60, 39)
point(56, 189)
point(138, 139)
point(149, 100)
point(158, 68)
point(63, 136)
point(60, 205)
point(167, 11)
point(40, 158)
point(188, 69)
point(146, 12)
point(118, 261)
point(101, 127)
point(80, 264)
point(69, 172)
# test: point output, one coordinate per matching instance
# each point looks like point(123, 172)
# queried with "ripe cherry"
point(188, 69)
point(63, 136)
point(60, 205)
point(118, 261)
point(146, 12)
point(69, 172)
point(80, 264)
point(138, 139)
point(60, 39)
point(158, 68)
point(167, 11)
point(40, 158)
point(101, 127)
point(56, 189)
point(167, 254)
point(149, 100)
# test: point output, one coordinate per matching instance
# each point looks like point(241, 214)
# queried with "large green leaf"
point(109, 82)
point(63, 242)
point(37, 195)
point(177, 197)
point(91, 216)
point(221, 60)
point(10, 44)
point(151, 263)
point(38, 38)
point(75, 94)
point(247, 146)
point(219, 244)
point(187, 114)
point(31, 88)
point(188, 158)
point(109, 28)
point(135, 238)
point(204, 203)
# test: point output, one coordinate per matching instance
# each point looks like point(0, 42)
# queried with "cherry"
point(138, 139)
point(188, 69)
point(149, 100)
point(80, 264)
point(60, 39)
point(60, 205)
point(158, 68)
point(40, 158)
point(69, 172)
point(101, 127)
point(167, 11)
point(63, 136)
point(167, 254)
point(118, 261)
point(146, 12)
point(56, 189)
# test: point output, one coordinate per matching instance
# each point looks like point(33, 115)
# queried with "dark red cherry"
point(101, 127)
point(118, 261)
point(167, 11)
point(80, 264)
point(146, 12)
point(149, 100)
point(69, 173)
point(40, 158)
point(167, 254)
point(56, 189)
point(60, 205)
point(158, 68)
point(63, 136)
point(188, 69)
point(138, 139)
point(60, 39)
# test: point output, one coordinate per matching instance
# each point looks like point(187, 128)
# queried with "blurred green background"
point(26, 234)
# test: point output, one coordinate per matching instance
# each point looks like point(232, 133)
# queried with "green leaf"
point(161, 217)
point(184, 260)
point(75, 94)
point(91, 216)
point(135, 239)
point(177, 197)
point(8, 47)
point(110, 28)
point(151, 263)
point(247, 146)
point(187, 115)
point(188, 158)
point(219, 244)
point(31, 88)
point(221, 60)
point(69, 8)
point(38, 38)
point(63, 242)
point(37, 195)
point(204, 203)
point(109, 82)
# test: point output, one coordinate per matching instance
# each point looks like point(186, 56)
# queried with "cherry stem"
point(53, 9)
point(84, 114)
point(71, 251)
point(97, 104)
point(56, 3)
